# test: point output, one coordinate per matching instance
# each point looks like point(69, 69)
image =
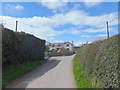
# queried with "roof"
point(59, 44)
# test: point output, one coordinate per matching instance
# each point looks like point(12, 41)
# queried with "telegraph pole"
point(107, 29)
point(16, 25)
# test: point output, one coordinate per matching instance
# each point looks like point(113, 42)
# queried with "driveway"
point(57, 72)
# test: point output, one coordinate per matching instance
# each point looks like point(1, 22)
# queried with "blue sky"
point(62, 21)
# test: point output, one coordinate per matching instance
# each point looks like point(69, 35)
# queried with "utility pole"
point(16, 25)
point(107, 29)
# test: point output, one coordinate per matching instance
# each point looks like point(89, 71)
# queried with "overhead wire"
point(29, 25)
point(103, 25)
point(100, 27)
point(114, 19)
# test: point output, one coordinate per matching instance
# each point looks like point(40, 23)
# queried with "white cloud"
point(76, 17)
point(80, 43)
point(13, 7)
point(18, 7)
point(41, 32)
point(92, 30)
point(76, 6)
point(86, 36)
point(81, 18)
point(55, 5)
point(104, 29)
point(100, 36)
point(76, 43)
point(72, 30)
point(46, 24)
point(58, 41)
point(92, 3)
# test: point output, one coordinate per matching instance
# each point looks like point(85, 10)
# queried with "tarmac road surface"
point(57, 72)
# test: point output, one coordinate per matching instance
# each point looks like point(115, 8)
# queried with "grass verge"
point(81, 80)
point(16, 71)
point(0, 83)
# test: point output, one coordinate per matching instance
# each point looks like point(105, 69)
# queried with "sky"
point(59, 21)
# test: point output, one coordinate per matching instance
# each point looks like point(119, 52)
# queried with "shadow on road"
point(26, 79)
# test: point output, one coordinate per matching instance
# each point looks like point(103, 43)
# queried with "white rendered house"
point(57, 46)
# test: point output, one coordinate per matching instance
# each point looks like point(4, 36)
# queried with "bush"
point(61, 52)
point(81, 80)
point(17, 71)
point(100, 61)
point(19, 47)
point(20, 53)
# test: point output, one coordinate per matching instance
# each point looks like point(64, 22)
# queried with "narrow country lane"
point(57, 72)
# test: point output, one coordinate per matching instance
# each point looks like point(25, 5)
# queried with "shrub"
point(20, 53)
point(19, 47)
point(100, 61)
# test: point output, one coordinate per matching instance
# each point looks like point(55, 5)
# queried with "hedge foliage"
point(62, 52)
point(100, 60)
point(18, 47)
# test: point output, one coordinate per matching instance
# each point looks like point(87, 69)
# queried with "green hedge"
point(19, 48)
point(100, 61)
point(82, 81)
point(62, 52)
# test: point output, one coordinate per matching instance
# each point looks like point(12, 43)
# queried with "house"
point(58, 46)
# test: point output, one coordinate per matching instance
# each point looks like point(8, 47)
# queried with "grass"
point(81, 80)
point(0, 82)
point(18, 70)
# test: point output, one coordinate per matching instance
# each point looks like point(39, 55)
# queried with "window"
point(67, 45)
point(67, 48)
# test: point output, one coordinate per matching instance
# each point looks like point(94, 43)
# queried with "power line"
point(102, 27)
point(94, 26)
point(114, 19)
point(29, 25)
point(109, 22)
